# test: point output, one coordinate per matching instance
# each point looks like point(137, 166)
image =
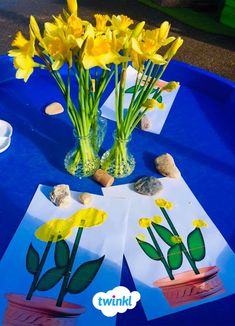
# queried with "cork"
point(103, 178)
point(85, 198)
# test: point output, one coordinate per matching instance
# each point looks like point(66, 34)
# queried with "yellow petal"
point(157, 219)
point(54, 230)
point(35, 28)
point(72, 6)
point(140, 236)
point(161, 106)
point(19, 41)
point(145, 222)
point(88, 217)
point(163, 203)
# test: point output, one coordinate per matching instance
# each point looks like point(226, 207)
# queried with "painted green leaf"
point(175, 257)
point(196, 245)
point(84, 275)
point(164, 233)
point(159, 99)
point(149, 250)
point(50, 278)
point(61, 254)
point(130, 90)
point(32, 260)
point(154, 90)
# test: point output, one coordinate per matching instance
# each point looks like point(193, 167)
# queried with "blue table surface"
point(199, 133)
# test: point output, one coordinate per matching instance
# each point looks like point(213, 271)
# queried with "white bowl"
point(5, 129)
point(4, 143)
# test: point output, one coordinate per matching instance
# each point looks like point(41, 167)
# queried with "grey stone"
point(148, 186)
point(60, 196)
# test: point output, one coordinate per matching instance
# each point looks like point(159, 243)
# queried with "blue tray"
point(199, 133)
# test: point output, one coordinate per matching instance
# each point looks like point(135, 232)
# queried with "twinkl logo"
point(117, 300)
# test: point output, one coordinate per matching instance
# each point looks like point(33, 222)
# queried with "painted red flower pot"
point(189, 287)
point(39, 311)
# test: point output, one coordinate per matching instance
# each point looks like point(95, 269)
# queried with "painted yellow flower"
point(99, 52)
point(23, 55)
point(170, 86)
point(199, 224)
point(163, 203)
point(145, 222)
point(150, 104)
point(72, 6)
point(101, 22)
point(157, 219)
point(176, 239)
point(161, 106)
point(54, 230)
point(173, 49)
point(140, 236)
point(88, 217)
point(121, 22)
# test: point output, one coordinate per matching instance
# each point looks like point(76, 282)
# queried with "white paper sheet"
point(156, 116)
point(106, 239)
point(146, 271)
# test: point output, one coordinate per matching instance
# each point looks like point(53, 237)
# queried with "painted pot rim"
point(188, 277)
point(48, 305)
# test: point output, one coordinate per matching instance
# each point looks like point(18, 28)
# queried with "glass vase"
point(98, 131)
point(82, 160)
point(118, 161)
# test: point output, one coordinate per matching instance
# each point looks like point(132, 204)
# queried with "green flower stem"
point(137, 86)
point(122, 92)
point(39, 270)
point(116, 97)
point(63, 289)
point(163, 260)
point(184, 249)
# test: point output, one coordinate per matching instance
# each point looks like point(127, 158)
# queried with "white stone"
point(60, 196)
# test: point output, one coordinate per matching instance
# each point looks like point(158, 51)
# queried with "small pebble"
point(103, 178)
point(148, 186)
point(60, 195)
point(54, 108)
point(85, 198)
point(145, 123)
point(166, 166)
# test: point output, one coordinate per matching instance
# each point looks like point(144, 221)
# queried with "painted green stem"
point(184, 249)
point(36, 276)
point(163, 260)
point(63, 289)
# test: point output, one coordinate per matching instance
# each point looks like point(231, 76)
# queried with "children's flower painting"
point(54, 266)
point(177, 257)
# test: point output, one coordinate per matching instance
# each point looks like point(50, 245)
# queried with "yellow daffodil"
point(73, 7)
point(98, 52)
point(145, 48)
point(54, 230)
point(157, 219)
point(145, 222)
point(23, 55)
point(170, 86)
point(88, 217)
point(199, 224)
point(121, 22)
point(140, 236)
point(173, 49)
point(35, 29)
point(57, 45)
point(176, 239)
point(163, 38)
point(101, 22)
point(163, 203)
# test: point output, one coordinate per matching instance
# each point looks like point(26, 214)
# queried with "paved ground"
point(212, 52)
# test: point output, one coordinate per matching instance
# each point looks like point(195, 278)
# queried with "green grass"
point(200, 20)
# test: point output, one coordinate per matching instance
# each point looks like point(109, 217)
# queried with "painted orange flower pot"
point(189, 287)
point(39, 311)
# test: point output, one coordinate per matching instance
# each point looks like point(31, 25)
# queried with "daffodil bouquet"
point(79, 46)
point(141, 47)
point(92, 54)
